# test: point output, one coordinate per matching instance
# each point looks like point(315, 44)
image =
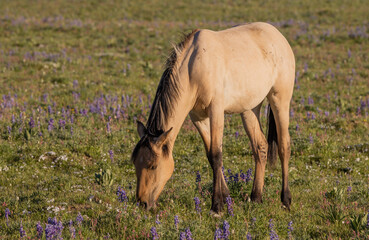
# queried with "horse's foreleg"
point(220, 189)
point(281, 114)
point(259, 146)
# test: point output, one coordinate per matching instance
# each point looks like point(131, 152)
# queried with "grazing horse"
point(208, 74)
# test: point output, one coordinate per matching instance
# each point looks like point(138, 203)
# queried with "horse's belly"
point(242, 93)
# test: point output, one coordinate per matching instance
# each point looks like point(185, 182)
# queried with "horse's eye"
point(153, 167)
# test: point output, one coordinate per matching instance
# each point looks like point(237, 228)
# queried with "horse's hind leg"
point(251, 123)
point(280, 104)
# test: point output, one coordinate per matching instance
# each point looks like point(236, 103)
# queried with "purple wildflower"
point(176, 221)
point(311, 139)
point(31, 123)
point(50, 126)
point(218, 234)
point(75, 84)
point(21, 231)
point(108, 127)
point(237, 134)
point(248, 236)
point(13, 119)
point(7, 213)
point(154, 233)
point(226, 230)
point(79, 219)
point(157, 219)
point(367, 220)
point(61, 123)
point(182, 236)
point(292, 113)
point(273, 235)
point(111, 154)
point(49, 110)
point(72, 230)
point(198, 177)
point(188, 234)
point(53, 229)
point(305, 67)
point(225, 177)
point(310, 101)
point(297, 127)
point(197, 204)
point(40, 230)
point(349, 53)
point(290, 229)
point(349, 189)
point(248, 175)
point(122, 196)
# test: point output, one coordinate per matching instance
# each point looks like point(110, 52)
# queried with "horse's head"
point(154, 165)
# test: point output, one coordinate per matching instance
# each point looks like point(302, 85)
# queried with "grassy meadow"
point(75, 76)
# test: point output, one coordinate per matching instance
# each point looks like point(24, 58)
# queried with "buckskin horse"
point(208, 74)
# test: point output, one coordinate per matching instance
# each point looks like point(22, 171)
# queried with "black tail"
point(272, 139)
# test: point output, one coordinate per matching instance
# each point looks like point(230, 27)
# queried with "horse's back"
point(241, 64)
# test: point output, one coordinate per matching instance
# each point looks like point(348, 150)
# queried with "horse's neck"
point(178, 114)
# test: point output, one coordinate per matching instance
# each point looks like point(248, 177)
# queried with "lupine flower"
point(72, 230)
point(290, 229)
point(218, 234)
point(297, 127)
point(226, 230)
point(225, 177)
point(122, 196)
point(61, 123)
point(310, 101)
point(198, 177)
point(50, 126)
point(188, 234)
point(182, 236)
point(31, 123)
point(157, 219)
point(154, 234)
point(292, 113)
point(75, 83)
point(305, 67)
point(40, 230)
point(21, 231)
point(44, 97)
point(111, 154)
point(248, 236)
point(311, 139)
point(53, 229)
point(349, 53)
point(273, 235)
point(49, 110)
point(197, 204)
point(249, 175)
point(79, 219)
point(7, 213)
point(13, 119)
point(108, 127)
point(237, 134)
point(349, 189)
point(176, 221)
point(367, 220)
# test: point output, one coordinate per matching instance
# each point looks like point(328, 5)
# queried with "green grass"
point(75, 55)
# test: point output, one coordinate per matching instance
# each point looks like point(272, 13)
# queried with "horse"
point(207, 75)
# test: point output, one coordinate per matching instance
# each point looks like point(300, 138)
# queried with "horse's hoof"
point(214, 214)
point(256, 197)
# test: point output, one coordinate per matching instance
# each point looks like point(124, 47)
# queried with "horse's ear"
point(159, 141)
point(141, 129)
